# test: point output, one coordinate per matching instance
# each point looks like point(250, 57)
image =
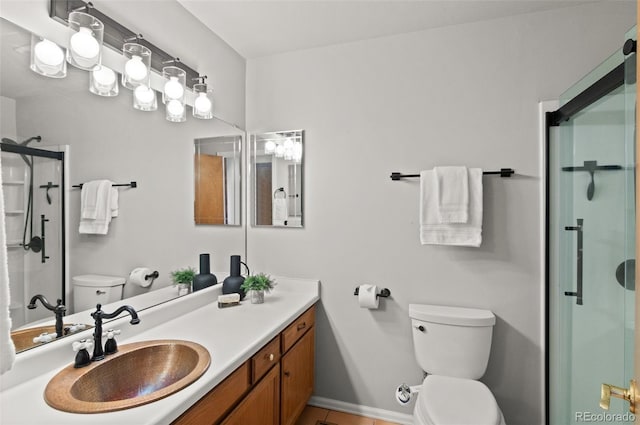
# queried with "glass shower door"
point(592, 252)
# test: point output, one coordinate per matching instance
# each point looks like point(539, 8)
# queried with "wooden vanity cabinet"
point(297, 378)
point(271, 388)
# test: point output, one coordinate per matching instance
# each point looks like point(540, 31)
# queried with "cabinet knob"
point(271, 357)
point(302, 325)
point(287, 373)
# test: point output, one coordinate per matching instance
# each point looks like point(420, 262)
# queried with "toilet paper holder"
point(384, 292)
point(153, 275)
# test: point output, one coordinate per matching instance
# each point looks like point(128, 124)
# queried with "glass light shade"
point(288, 154)
point(175, 111)
point(85, 44)
point(137, 69)
point(144, 99)
point(279, 151)
point(47, 58)
point(269, 147)
point(103, 81)
point(175, 83)
point(202, 105)
point(288, 144)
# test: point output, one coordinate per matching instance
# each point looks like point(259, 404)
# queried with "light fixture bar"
point(115, 34)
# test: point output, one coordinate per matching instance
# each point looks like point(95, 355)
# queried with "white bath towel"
point(114, 202)
point(453, 194)
point(463, 234)
point(7, 349)
point(96, 207)
point(280, 211)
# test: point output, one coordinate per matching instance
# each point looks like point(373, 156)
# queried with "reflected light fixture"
point(85, 44)
point(269, 147)
point(279, 151)
point(202, 104)
point(144, 99)
point(137, 69)
point(103, 81)
point(47, 58)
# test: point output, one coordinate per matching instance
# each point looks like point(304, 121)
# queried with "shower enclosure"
point(33, 193)
point(591, 243)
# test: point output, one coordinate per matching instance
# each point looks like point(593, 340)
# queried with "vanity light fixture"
point(202, 105)
point(279, 151)
point(103, 81)
point(85, 44)
point(173, 93)
point(297, 151)
point(137, 69)
point(47, 58)
point(144, 98)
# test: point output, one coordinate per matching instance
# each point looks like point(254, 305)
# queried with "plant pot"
point(183, 288)
point(257, 297)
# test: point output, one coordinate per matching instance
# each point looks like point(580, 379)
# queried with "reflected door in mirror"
point(209, 202)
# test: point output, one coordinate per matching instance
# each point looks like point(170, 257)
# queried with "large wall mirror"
point(103, 138)
point(277, 184)
point(218, 174)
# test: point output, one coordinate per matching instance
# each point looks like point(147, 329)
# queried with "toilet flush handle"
point(100, 292)
point(420, 328)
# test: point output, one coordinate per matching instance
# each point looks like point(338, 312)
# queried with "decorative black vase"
point(231, 285)
point(205, 278)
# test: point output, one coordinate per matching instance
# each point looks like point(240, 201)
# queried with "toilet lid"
point(445, 400)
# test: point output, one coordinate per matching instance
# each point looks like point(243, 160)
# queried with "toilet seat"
point(445, 400)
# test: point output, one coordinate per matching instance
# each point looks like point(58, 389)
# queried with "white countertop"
point(232, 335)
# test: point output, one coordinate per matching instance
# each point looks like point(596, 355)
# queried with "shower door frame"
point(43, 153)
point(605, 85)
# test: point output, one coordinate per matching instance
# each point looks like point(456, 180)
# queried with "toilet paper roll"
point(367, 296)
point(137, 277)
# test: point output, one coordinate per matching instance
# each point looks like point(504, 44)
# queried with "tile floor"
point(317, 416)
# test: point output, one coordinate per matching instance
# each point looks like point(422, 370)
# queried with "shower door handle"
point(43, 220)
point(578, 292)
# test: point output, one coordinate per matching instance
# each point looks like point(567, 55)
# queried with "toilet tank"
point(452, 341)
point(92, 289)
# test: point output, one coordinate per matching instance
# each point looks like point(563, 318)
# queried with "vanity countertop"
point(232, 335)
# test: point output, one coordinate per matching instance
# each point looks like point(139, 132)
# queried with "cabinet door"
point(297, 378)
point(261, 405)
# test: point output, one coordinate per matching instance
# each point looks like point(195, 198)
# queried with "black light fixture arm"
point(115, 34)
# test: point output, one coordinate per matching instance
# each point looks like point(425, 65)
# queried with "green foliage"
point(185, 275)
point(258, 282)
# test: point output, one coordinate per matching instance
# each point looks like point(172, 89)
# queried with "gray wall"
point(465, 94)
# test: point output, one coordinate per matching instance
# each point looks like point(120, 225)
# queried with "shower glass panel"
point(592, 252)
point(32, 188)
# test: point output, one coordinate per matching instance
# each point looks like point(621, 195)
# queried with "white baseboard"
point(357, 409)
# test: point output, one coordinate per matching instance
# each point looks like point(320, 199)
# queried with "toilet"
point(92, 289)
point(452, 345)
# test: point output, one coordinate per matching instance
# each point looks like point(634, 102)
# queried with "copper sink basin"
point(23, 339)
point(137, 374)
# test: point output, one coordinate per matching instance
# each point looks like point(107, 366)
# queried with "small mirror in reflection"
point(217, 165)
point(277, 182)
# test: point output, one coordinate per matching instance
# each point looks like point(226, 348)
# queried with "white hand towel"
point(7, 349)
point(280, 211)
point(453, 194)
point(89, 199)
point(463, 234)
point(114, 202)
point(103, 208)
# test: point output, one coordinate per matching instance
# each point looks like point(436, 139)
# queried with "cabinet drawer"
point(264, 359)
point(298, 328)
point(211, 408)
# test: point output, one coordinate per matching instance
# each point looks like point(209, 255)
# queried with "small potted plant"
point(258, 284)
point(183, 278)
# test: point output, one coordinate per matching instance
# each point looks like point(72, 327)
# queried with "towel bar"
point(132, 185)
point(504, 172)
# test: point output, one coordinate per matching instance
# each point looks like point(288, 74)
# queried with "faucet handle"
point(110, 333)
point(83, 344)
point(77, 327)
point(44, 337)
